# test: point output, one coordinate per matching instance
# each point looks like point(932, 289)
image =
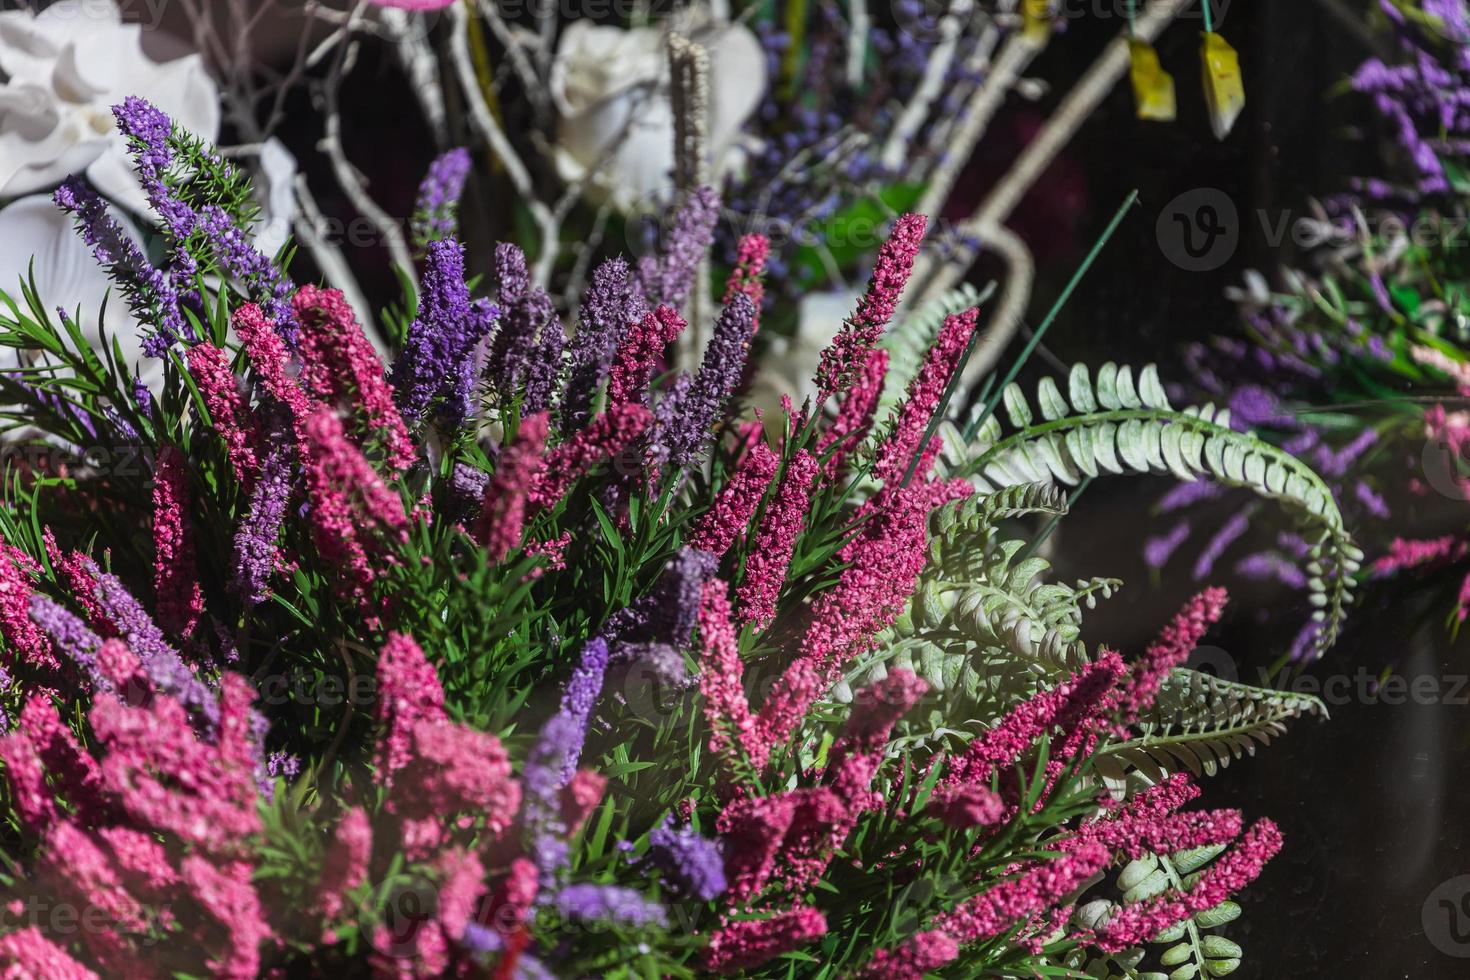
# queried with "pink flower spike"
point(639, 353)
point(461, 886)
point(967, 806)
point(175, 576)
point(507, 495)
point(849, 350)
point(733, 508)
point(1068, 706)
point(925, 392)
point(74, 773)
point(853, 760)
point(1172, 648)
point(27, 953)
point(580, 797)
point(339, 365)
point(855, 416)
point(231, 902)
point(270, 360)
point(1242, 864)
point(21, 634)
point(750, 264)
point(345, 866)
point(408, 693)
point(998, 908)
point(349, 501)
point(770, 554)
point(922, 953)
point(740, 945)
point(605, 438)
point(720, 677)
point(229, 416)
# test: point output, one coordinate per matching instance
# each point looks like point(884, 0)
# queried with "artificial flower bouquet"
point(511, 653)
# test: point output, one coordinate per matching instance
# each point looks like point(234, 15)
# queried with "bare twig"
point(1009, 311)
point(916, 110)
point(689, 97)
point(484, 123)
point(858, 25)
point(347, 176)
point(411, 42)
point(1015, 56)
point(987, 222)
point(537, 87)
point(335, 269)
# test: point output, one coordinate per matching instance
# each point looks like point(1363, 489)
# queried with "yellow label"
point(1224, 89)
point(1153, 88)
point(1036, 15)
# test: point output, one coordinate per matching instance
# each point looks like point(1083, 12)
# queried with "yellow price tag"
point(1153, 88)
point(1224, 89)
point(1036, 16)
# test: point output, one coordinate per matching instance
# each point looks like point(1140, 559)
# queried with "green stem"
point(1051, 315)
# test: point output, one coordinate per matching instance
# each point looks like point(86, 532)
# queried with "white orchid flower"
point(65, 68)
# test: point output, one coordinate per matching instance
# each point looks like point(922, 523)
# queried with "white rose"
point(65, 68)
point(606, 80)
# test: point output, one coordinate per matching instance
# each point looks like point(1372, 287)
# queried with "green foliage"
point(1191, 949)
point(1200, 723)
point(1116, 426)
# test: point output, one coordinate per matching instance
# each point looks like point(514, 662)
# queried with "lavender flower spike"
point(690, 427)
point(436, 212)
point(149, 293)
point(443, 334)
point(255, 540)
point(690, 864)
point(160, 661)
point(610, 304)
point(669, 278)
point(71, 636)
point(610, 904)
point(553, 760)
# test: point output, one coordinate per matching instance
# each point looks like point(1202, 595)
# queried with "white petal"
point(277, 190)
point(66, 274)
point(737, 81)
point(594, 62)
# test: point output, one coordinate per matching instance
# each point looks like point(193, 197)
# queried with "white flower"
point(609, 83)
point(275, 190)
point(66, 275)
point(65, 68)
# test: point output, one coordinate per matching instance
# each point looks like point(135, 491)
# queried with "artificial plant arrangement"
point(817, 121)
point(521, 655)
point(1357, 361)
